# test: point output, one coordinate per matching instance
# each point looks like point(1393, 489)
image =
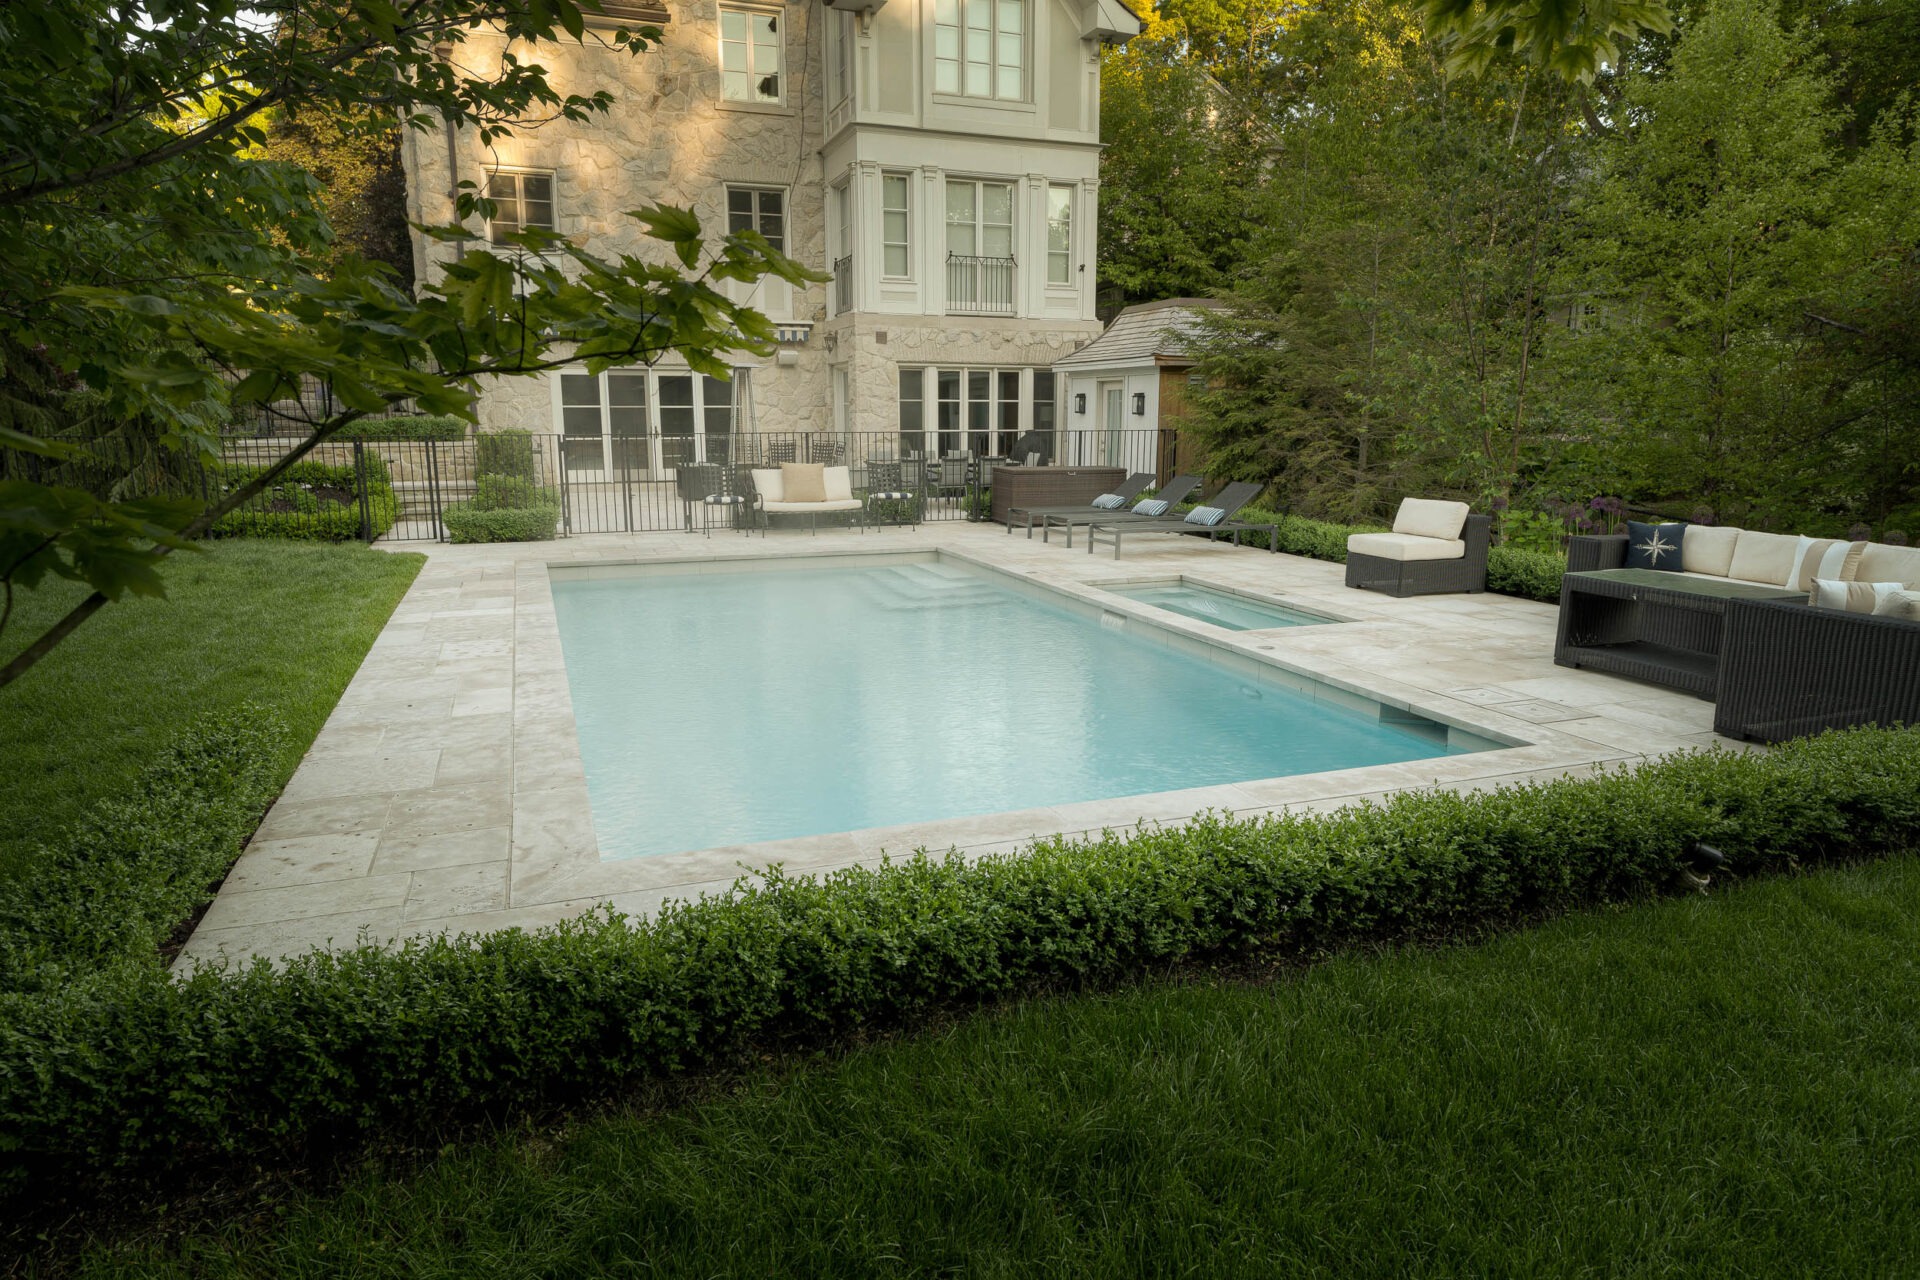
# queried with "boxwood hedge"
point(121, 1068)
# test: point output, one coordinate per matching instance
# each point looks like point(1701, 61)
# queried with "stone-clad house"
point(938, 157)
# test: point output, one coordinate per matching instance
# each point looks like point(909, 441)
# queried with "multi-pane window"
point(843, 248)
point(896, 225)
point(520, 200)
point(986, 412)
point(749, 55)
point(840, 56)
point(980, 219)
point(757, 209)
point(913, 409)
point(636, 421)
point(1059, 235)
point(979, 48)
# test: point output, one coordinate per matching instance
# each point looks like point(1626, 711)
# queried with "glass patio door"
point(608, 428)
point(696, 419)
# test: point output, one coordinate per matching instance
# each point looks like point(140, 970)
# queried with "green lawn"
point(1725, 1086)
point(284, 624)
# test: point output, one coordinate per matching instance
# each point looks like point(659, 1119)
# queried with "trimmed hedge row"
point(505, 508)
point(1513, 571)
point(127, 1069)
point(114, 887)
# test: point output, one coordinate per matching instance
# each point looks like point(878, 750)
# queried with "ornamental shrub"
point(1529, 574)
point(505, 453)
point(471, 522)
point(124, 1069)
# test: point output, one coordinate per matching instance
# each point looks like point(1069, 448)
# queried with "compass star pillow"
point(1654, 546)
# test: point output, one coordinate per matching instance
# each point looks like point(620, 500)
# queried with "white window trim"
point(780, 71)
point(1070, 284)
point(522, 171)
point(980, 223)
point(906, 178)
point(993, 99)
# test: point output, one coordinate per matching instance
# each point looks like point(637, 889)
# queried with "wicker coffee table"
point(1650, 625)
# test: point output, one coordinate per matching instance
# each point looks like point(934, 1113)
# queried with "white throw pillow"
point(1903, 604)
point(1851, 597)
point(1808, 555)
point(1706, 548)
point(1430, 518)
point(839, 483)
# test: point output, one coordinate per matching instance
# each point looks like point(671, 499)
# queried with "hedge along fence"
point(312, 501)
point(125, 1069)
point(1513, 571)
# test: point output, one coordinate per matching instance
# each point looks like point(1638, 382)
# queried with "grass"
point(1724, 1086)
point(283, 624)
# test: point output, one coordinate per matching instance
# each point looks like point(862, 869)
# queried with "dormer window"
point(980, 48)
point(750, 55)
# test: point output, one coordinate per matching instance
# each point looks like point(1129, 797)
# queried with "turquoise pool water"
point(1221, 608)
point(727, 708)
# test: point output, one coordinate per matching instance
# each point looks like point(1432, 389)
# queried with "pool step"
point(932, 586)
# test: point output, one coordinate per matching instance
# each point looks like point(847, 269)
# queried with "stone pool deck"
point(446, 792)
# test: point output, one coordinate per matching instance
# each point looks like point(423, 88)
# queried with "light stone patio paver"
point(446, 792)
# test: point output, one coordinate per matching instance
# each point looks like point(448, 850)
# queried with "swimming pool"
point(1220, 608)
point(719, 708)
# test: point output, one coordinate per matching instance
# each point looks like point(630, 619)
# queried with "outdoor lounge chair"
point(1172, 493)
point(1211, 519)
point(1127, 490)
point(1436, 548)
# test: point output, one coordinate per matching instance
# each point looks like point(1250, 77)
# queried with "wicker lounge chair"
point(1435, 548)
point(1227, 501)
point(1127, 490)
point(1175, 491)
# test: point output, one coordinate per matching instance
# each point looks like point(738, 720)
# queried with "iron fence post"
point(360, 483)
point(433, 490)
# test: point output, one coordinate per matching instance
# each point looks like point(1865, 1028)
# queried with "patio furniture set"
point(1786, 635)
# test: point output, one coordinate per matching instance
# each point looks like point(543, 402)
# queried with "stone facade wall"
point(669, 139)
point(873, 365)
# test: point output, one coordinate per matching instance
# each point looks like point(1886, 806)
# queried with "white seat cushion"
point(839, 483)
point(789, 508)
point(1429, 518)
point(1708, 549)
point(768, 485)
point(1763, 557)
point(1405, 546)
point(1881, 563)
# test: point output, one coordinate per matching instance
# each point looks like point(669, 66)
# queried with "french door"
point(640, 424)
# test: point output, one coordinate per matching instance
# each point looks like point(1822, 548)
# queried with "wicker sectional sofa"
point(1786, 668)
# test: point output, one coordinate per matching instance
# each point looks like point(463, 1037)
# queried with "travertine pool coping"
point(446, 791)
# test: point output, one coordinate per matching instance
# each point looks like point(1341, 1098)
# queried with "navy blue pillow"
point(1654, 546)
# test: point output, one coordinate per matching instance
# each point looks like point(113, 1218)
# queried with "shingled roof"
point(1145, 333)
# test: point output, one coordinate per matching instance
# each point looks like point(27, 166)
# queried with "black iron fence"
point(369, 489)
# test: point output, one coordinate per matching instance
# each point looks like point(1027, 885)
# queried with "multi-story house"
point(938, 157)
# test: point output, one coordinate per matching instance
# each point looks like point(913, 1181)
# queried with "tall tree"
point(154, 264)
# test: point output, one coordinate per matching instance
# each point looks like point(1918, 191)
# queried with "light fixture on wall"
point(1080, 403)
point(1139, 404)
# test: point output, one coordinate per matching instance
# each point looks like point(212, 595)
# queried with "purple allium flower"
point(1859, 533)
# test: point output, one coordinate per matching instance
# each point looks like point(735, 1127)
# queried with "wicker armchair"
point(1787, 670)
point(1427, 577)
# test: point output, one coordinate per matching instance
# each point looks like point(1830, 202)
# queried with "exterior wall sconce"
point(1080, 404)
point(1139, 404)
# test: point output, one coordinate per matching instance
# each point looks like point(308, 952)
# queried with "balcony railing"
point(843, 285)
point(980, 286)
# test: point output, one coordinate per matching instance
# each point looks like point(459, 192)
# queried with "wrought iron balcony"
point(843, 285)
point(980, 286)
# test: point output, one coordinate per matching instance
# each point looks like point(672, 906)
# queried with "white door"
point(1113, 397)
